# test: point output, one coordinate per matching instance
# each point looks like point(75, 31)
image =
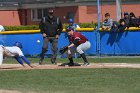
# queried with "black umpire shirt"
point(51, 27)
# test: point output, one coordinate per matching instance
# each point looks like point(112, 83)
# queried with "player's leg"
point(81, 48)
point(44, 50)
point(54, 48)
point(70, 54)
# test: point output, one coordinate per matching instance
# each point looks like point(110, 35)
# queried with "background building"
point(29, 12)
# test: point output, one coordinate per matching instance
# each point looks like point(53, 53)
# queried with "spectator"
point(134, 21)
point(122, 25)
point(108, 22)
point(118, 27)
point(126, 19)
point(114, 27)
point(132, 15)
point(51, 28)
point(72, 24)
point(1, 28)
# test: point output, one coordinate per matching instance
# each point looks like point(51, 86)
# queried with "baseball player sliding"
point(78, 43)
point(14, 51)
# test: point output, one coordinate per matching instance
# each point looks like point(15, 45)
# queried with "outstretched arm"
point(26, 60)
point(19, 60)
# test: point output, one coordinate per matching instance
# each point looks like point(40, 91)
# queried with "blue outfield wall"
point(111, 43)
point(120, 42)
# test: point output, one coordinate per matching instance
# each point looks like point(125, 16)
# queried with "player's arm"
point(70, 45)
point(20, 53)
point(41, 25)
point(65, 48)
point(19, 60)
point(60, 26)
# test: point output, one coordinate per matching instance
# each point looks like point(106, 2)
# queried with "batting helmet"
point(18, 44)
point(70, 20)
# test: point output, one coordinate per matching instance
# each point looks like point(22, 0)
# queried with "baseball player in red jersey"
point(78, 43)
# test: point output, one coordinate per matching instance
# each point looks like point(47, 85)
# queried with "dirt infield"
point(49, 66)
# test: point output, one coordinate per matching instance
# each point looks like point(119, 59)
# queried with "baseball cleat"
point(40, 62)
point(31, 66)
point(23, 65)
point(70, 64)
point(53, 61)
point(85, 64)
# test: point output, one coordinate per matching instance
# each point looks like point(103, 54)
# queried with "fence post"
point(98, 41)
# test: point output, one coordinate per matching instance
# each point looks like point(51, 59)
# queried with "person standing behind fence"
point(118, 27)
point(134, 21)
point(51, 28)
point(72, 24)
point(122, 25)
point(108, 22)
point(126, 19)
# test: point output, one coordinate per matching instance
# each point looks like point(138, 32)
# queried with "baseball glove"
point(63, 50)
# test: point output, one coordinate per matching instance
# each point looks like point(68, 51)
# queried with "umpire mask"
point(50, 14)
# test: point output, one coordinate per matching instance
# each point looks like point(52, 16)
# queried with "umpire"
point(51, 28)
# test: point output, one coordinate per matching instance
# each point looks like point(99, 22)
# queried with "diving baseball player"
point(78, 43)
point(13, 51)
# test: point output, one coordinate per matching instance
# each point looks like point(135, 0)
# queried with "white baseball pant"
point(80, 49)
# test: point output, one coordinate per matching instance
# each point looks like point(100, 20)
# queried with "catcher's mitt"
point(63, 50)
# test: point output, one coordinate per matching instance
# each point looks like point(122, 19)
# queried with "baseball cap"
point(125, 13)
point(70, 20)
point(122, 20)
point(69, 29)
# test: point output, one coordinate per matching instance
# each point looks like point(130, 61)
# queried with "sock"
point(84, 57)
point(71, 60)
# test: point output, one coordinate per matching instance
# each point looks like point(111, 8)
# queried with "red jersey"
point(77, 35)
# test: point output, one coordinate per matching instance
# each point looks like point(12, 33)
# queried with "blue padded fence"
point(114, 43)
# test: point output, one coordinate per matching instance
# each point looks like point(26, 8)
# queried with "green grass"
point(98, 60)
point(72, 81)
point(79, 60)
point(124, 80)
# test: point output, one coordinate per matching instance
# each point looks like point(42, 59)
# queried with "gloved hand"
point(63, 50)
